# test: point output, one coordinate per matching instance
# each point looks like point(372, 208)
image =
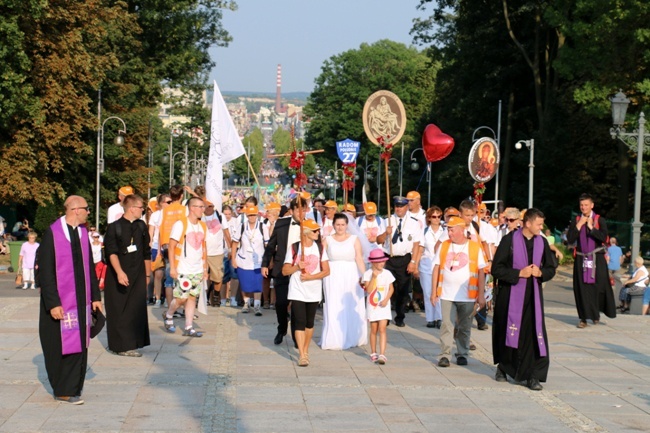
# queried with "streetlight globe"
point(356, 176)
point(119, 140)
point(415, 166)
point(165, 159)
point(619, 108)
point(518, 145)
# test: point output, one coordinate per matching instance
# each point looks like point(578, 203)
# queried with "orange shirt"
point(172, 213)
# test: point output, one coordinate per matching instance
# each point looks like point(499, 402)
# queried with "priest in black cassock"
point(127, 247)
point(69, 291)
point(521, 263)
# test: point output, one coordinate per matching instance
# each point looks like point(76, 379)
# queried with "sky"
point(300, 35)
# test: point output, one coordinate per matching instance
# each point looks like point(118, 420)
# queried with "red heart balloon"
point(436, 144)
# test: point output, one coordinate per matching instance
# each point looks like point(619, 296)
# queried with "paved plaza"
point(235, 380)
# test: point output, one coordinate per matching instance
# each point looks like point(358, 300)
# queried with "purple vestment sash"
point(65, 285)
point(518, 291)
point(587, 247)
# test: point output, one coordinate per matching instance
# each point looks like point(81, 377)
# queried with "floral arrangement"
point(349, 169)
point(296, 162)
point(479, 190)
point(386, 148)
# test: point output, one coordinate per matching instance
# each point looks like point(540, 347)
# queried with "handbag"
point(19, 279)
point(636, 290)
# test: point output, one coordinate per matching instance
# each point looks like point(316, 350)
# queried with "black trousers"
point(281, 285)
point(397, 266)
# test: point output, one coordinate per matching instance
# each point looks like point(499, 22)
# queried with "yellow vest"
point(474, 250)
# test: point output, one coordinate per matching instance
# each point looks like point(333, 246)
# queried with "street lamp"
point(636, 141)
point(166, 159)
point(530, 144)
point(119, 141)
point(415, 167)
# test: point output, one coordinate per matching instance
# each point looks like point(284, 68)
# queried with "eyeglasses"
point(511, 220)
point(87, 208)
point(435, 217)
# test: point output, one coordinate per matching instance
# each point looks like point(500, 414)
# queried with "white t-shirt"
point(420, 215)
point(114, 213)
point(154, 220)
point(372, 228)
point(382, 287)
point(306, 291)
point(251, 245)
point(214, 241)
point(191, 259)
point(327, 227)
point(456, 272)
point(429, 240)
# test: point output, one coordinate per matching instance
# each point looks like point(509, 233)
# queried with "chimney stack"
point(278, 91)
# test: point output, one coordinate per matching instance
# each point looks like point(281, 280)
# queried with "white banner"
point(225, 146)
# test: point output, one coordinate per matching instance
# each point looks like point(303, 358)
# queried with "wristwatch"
point(413, 261)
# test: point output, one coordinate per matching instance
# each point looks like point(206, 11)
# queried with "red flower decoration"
point(300, 180)
point(349, 169)
point(479, 190)
point(386, 148)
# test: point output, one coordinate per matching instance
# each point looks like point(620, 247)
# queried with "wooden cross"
point(513, 328)
point(306, 152)
point(70, 321)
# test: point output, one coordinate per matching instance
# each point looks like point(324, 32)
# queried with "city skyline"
point(301, 36)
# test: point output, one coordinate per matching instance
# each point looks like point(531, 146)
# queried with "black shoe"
point(444, 362)
point(278, 338)
point(295, 345)
point(399, 323)
point(461, 360)
point(534, 385)
point(500, 376)
point(431, 324)
point(483, 327)
point(438, 323)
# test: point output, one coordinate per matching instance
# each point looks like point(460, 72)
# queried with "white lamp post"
point(415, 167)
point(119, 141)
point(399, 165)
point(636, 141)
point(530, 144)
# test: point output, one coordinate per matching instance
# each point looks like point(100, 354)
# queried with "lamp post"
point(415, 167)
point(171, 165)
point(636, 141)
point(172, 134)
point(530, 144)
point(119, 141)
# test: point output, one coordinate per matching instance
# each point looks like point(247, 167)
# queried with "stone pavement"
point(235, 380)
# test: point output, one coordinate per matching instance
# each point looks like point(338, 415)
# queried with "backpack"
point(241, 230)
point(377, 217)
point(182, 242)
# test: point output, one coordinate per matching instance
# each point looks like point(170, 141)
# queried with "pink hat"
point(377, 255)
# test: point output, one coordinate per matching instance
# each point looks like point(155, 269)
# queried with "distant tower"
point(278, 91)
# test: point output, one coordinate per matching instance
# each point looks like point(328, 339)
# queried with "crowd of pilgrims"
point(365, 272)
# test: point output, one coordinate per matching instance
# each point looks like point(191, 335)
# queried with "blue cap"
point(398, 200)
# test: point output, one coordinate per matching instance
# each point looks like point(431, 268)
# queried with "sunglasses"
point(511, 220)
point(435, 217)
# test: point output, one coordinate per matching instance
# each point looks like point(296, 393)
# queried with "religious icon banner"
point(483, 159)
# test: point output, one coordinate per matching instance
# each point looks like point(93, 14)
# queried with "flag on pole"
point(364, 199)
point(225, 145)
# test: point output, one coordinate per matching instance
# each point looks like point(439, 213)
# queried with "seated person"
point(636, 283)
point(20, 230)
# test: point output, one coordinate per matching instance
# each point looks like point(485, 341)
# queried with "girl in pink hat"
point(378, 283)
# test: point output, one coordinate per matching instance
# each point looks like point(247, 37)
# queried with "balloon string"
point(420, 181)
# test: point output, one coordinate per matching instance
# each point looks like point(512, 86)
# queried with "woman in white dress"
point(344, 315)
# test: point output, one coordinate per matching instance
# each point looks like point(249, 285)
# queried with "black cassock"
point(127, 324)
point(524, 362)
point(66, 373)
point(591, 299)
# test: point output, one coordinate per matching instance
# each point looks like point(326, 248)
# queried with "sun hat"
point(378, 255)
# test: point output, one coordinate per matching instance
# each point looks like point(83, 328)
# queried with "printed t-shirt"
point(382, 287)
point(306, 291)
point(214, 240)
point(191, 258)
point(372, 228)
point(456, 272)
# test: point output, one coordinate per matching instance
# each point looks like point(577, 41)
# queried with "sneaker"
point(382, 360)
point(25, 287)
point(157, 304)
point(444, 362)
point(258, 312)
point(245, 309)
point(33, 287)
point(461, 360)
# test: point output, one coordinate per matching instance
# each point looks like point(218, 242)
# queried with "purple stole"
point(518, 291)
point(587, 246)
point(65, 285)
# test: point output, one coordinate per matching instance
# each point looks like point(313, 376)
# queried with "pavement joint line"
point(565, 413)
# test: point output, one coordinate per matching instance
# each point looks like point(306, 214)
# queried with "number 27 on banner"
point(348, 150)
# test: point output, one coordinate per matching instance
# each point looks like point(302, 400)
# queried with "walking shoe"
point(431, 324)
point(278, 338)
point(191, 332)
point(382, 360)
point(461, 360)
point(157, 304)
point(438, 324)
point(500, 376)
point(266, 306)
point(444, 362)
point(399, 323)
point(258, 312)
point(70, 400)
point(534, 385)
point(472, 346)
point(33, 287)
point(245, 309)
point(482, 327)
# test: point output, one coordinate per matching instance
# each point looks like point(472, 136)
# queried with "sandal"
point(191, 332)
point(303, 362)
point(374, 357)
point(382, 360)
point(169, 323)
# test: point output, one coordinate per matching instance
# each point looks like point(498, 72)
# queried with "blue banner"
point(348, 150)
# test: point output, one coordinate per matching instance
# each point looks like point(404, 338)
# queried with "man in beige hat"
point(116, 210)
point(415, 208)
point(328, 222)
